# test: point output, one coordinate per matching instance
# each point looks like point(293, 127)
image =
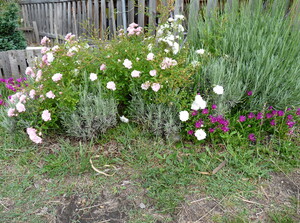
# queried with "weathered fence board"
point(59, 17)
point(13, 63)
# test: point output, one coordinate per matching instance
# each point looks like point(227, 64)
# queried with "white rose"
point(218, 89)
point(200, 134)
point(183, 116)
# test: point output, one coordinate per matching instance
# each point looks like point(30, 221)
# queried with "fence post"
point(193, 18)
point(211, 6)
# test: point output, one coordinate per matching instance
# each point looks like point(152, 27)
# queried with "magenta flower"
point(251, 115)
point(214, 107)
point(198, 125)
point(205, 111)
point(298, 112)
point(194, 113)
point(225, 129)
point(252, 137)
point(259, 116)
point(269, 115)
point(280, 113)
point(289, 117)
point(290, 124)
point(211, 130)
point(242, 118)
point(190, 132)
point(270, 108)
point(249, 93)
point(273, 123)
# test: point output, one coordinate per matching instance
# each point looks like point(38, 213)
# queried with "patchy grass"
point(153, 182)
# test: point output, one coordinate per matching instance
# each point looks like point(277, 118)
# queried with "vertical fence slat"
point(211, 6)
point(69, 22)
point(51, 17)
point(178, 7)
point(112, 22)
point(74, 19)
point(64, 26)
point(83, 18)
point(96, 16)
point(4, 65)
point(152, 14)
point(60, 19)
point(79, 17)
point(119, 14)
point(103, 18)
point(130, 11)
point(89, 12)
point(47, 28)
point(141, 13)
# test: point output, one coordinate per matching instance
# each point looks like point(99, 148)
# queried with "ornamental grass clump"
point(253, 47)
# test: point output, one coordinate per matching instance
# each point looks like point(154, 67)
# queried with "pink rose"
point(111, 85)
point(29, 71)
point(93, 76)
point(135, 73)
point(45, 40)
point(20, 107)
point(56, 77)
point(152, 73)
point(103, 67)
point(46, 115)
point(38, 76)
point(150, 56)
point(155, 87)
point(145, 85)
point(127, 63)
point(32, 93)
point(11, 112)
point(50, 95)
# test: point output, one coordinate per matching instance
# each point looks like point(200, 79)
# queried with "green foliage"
point(93, 115)
point(10, 37)
point(159, 119)
point(252, 49)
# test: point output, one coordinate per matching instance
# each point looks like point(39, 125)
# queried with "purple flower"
point(214, 107)
point(213, 119)
point(190, 132)
point(242, 118)
point(251, 115)
point(273, 123)
point(270, 107)
point(198, 125)
point(289, 117)
point(280, 113)
point(259, 116)
point(298, 112)
point(274, 112)
point(288, 109)
point(249, 93)
point(269, 115)
point(1, 102)
point(225, 129)
point(290, 124)
point(211, 130)
point(251, 137)
point(205, 111)
point(194, 113)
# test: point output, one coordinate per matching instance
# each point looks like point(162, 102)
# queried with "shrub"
point(10, 37)
point(93, 115)
point(251, 49)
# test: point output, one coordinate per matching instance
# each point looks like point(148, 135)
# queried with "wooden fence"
point(13, 63)
point(56, 18)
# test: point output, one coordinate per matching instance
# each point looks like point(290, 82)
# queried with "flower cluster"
point(201, 118)
point(134, 29)
point(171, 33)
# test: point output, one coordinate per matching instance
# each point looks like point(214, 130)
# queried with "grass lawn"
point(151, 180)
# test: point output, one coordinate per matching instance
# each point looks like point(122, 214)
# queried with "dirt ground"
point(281, 191)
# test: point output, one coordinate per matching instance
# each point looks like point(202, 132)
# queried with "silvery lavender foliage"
point(159, 119)
point(94, 115)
